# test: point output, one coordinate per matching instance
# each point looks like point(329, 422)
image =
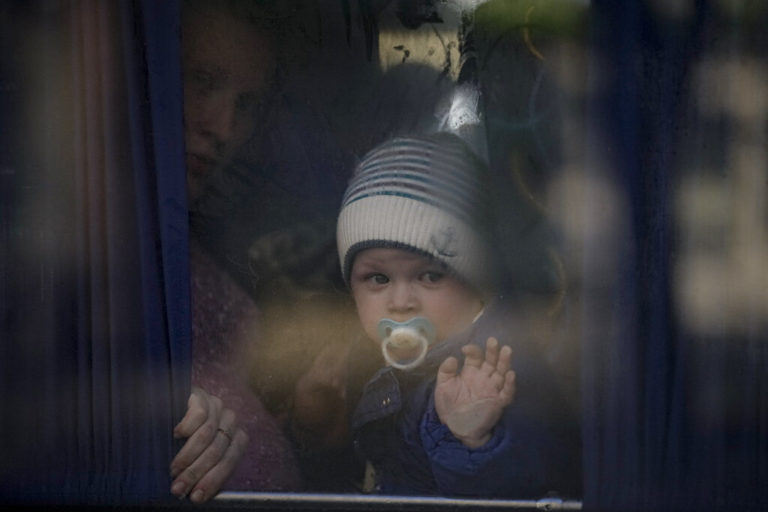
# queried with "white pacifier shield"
point(416, 333)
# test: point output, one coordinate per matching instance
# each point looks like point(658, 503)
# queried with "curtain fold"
point(96, 315)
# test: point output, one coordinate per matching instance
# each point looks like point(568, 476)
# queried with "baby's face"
point(400, 285)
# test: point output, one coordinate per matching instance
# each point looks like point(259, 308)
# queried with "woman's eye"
point(432, 277)
point(245, 103)
point(203, 81)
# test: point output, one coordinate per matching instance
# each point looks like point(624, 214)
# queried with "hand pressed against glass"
point(397, 284)
point(470, 403)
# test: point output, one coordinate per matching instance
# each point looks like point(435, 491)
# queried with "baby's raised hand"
point(470, 403)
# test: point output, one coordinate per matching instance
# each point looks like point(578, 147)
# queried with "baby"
point(444, 417)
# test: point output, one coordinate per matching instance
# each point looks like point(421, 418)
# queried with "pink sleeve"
point(225, 320)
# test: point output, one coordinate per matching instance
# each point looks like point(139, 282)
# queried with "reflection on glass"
point(721, 205)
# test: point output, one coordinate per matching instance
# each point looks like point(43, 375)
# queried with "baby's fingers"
point(491, 354)
point(507, 393)
point(447, 370)
point(473, 355)
point(505, 360)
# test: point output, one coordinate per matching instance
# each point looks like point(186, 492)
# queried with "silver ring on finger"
point(226, 434)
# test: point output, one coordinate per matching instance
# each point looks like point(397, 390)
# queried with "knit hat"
point(424, 194)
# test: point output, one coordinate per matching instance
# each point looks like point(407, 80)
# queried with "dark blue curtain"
point(94, 283)
point(675, 416)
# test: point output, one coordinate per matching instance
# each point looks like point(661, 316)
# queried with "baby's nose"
point(402, 297)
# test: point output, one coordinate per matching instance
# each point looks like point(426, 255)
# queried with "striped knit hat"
point(423, 194)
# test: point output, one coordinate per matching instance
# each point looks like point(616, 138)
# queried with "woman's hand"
point(470, 403)
point(213, 449)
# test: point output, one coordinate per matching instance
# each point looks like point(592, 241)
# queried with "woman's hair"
point(264, 15)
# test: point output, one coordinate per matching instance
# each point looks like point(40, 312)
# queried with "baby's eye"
point(378, 278)
point(432, 277)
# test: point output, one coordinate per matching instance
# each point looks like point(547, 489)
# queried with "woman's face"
point(228, 67)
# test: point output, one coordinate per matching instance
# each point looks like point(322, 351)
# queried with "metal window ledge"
point(297, 501)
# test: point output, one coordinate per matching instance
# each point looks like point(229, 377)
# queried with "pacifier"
point(404, 344)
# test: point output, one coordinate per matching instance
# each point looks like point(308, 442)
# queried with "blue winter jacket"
point(533, 451)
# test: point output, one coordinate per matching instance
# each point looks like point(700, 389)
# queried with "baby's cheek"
point(368, 324)
point(448, 331)
point(372, 333)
